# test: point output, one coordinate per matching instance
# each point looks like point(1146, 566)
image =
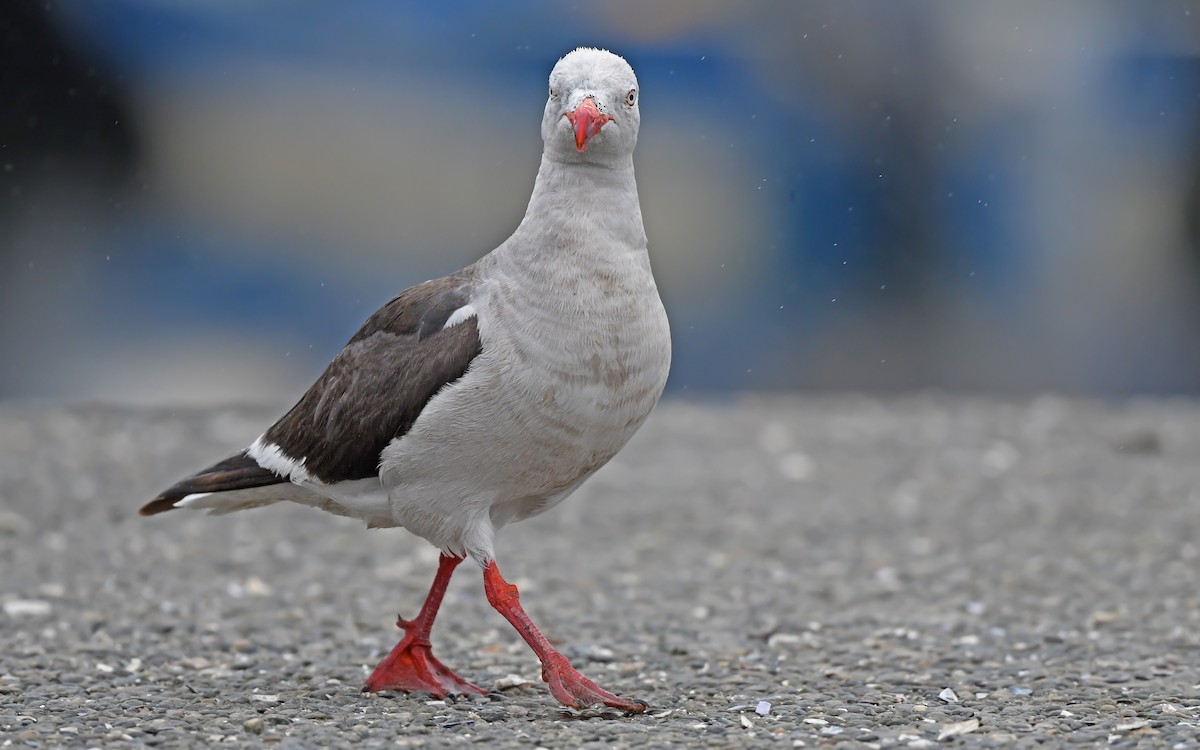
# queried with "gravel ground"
point(905, 572)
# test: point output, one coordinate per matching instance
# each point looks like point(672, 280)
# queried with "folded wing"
point(371, 393)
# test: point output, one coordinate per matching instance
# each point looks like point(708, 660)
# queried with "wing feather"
point(375, 389)
point(238, 472)
point(371, 393)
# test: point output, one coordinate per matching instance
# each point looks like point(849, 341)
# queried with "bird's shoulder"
point(421, 310)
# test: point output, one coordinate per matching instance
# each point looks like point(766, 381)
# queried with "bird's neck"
point(579, 205)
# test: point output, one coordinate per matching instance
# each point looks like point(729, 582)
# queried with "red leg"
point(410, 666)
point(566, 683)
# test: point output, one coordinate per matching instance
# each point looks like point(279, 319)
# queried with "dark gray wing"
point(377, 386)
point(372, 392)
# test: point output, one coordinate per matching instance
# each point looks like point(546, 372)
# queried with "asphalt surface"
point(910, 572)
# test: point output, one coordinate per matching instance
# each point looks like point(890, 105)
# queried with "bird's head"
point(592, 111)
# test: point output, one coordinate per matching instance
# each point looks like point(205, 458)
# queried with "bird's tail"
point(236, 483)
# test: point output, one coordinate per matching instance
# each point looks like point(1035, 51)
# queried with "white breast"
point(564, 380)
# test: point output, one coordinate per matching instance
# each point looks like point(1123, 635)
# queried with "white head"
point(592, 113)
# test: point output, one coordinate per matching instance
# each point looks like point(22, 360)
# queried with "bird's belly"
point(527, 424)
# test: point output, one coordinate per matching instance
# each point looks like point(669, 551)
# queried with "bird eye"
point(553, 93)
point(631, 98)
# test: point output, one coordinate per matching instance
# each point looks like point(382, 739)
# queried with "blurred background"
point(201, 201)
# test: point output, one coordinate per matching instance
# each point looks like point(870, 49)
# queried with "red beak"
point(587, 119)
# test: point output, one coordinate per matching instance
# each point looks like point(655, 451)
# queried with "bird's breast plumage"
point(584, 360)
point(575, 356)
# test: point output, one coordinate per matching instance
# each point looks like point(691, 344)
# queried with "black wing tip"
point(237, 472)
point(160, 504)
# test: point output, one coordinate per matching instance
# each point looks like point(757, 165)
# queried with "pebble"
point(27, 608)
point(957, 729)
point(11, 523)
point(510, 681)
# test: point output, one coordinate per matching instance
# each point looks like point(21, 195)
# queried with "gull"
point(489, 395)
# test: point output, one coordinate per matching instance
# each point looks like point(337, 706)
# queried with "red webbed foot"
point(573, 689)
point(567, 685)
point(411, 666)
